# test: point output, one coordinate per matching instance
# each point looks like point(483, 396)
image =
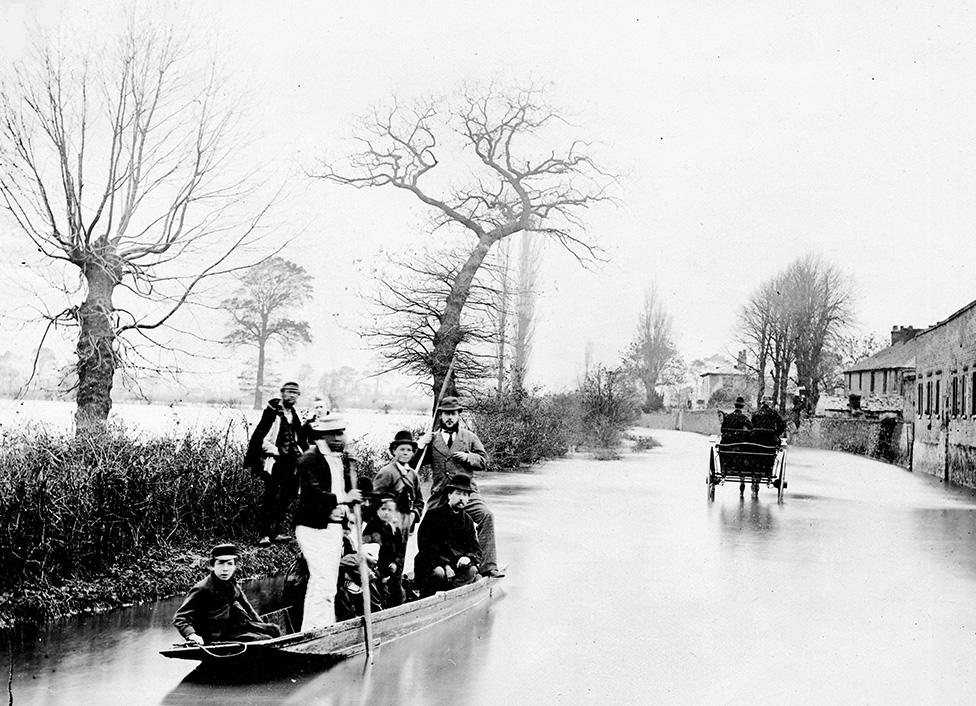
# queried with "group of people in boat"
point(308, 460)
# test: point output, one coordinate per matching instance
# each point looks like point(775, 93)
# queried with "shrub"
point(523, 427)
point(643, 443)
point(609, 403)
point(74, 505)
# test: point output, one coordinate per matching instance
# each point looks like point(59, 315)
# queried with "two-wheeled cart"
point(753, 457)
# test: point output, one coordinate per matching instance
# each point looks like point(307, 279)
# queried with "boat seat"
point(281, 618)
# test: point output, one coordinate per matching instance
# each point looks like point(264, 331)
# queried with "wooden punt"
point(347, 638)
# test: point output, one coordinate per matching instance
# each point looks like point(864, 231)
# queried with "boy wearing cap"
point(451, 450)
point(326, 490)
point(216, 609)
point(448, 553)
point(277, 442)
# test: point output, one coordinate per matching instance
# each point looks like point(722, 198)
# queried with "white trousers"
point(322, 549)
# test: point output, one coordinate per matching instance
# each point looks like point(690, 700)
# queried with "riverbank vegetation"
point(98, 520)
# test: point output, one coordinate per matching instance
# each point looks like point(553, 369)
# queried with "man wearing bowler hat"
point(736, 419)
point(448, 552)
point(451, 450)
point(277, 442)
point(399, 479)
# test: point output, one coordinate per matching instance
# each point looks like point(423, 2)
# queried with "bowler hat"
point(403, 437)
point(739, 403)
point(449, 404)
point(460, 481)
point(224, 550)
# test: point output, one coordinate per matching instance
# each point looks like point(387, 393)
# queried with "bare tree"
point(530, 251)
point(114, 164)
point(652, 347)
point(408, 309)
point(506, 181)
point(791, 323)
point(266, 295)
point(821, 299)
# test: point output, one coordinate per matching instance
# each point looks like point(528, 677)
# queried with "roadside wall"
point(884, 439)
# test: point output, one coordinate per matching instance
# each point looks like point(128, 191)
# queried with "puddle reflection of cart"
point(752, 457)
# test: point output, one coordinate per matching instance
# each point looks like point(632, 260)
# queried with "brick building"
point(945, 406)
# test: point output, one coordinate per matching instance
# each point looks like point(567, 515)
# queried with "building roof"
point(728, 369)
point(949, 318)
point(899, 355)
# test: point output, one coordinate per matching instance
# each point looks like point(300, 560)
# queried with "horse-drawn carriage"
point(750, 456)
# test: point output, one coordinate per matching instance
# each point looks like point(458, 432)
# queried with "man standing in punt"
point(451, 450)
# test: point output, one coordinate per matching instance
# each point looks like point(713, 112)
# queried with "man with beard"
point(277, 442)
point(448, 552)
point(450, 450)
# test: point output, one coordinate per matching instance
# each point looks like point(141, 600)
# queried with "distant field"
point(161, 420)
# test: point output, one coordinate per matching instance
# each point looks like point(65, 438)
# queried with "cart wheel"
point(782, 483)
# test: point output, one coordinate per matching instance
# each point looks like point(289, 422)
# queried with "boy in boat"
point(385, 532)
point(448, 551)
point(216, 609)
point(349, 591)
point(402, 482)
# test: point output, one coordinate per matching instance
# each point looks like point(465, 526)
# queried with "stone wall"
point(883, 439)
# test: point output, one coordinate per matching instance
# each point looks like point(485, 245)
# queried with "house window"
point(928, 397)
point(938, 394)
point(872, 381)
point(962, 395)
point(972, 388)
point(860, 381)
point(884, 382)
point(955, 396)
point(919, 401)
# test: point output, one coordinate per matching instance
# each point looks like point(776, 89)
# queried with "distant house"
point(885, 373)
point(945, 406)
point(720, 373)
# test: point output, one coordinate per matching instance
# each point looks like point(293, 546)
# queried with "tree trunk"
point(259, 376)
point(96, 348)
point(448, 335)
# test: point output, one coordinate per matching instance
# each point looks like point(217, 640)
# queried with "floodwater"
point(626, 586)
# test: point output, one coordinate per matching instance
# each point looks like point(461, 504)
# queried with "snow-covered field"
point(160, 420)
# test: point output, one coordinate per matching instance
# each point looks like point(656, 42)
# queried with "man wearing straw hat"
point(326, 490)
point(450, 450)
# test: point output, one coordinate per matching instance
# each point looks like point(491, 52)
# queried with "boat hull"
point(348, 638)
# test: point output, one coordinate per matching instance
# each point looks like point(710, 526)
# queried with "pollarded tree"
point(509, 169)
point(114, 163)
point(266, 296)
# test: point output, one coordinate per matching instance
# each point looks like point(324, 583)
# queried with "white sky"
point(751, 133)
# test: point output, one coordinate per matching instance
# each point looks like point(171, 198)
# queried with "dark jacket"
point(443, 538)
point(215, 610)
point(391, 543)
point(291, 439)
point(438, 456)
point(405, 487)
point(316, 499)
point(735, 420)
point(768, 418)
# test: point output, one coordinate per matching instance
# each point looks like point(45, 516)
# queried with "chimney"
point(740, 364)
point(902, 334)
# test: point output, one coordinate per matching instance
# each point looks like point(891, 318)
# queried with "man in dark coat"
point(451, 450)
point(277, 442)
point(326, 490)
point(736, 420)
point(216, 609)
point(767, 419)
point(448, 552)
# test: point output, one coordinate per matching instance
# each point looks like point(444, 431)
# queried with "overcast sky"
point(750, 133)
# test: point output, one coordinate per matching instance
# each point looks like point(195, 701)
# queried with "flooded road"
point(626, 586)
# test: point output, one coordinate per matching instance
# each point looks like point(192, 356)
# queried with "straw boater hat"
point(460, 481)
point(330, 424)
point(449, 404)
point(739, 403)
point(403, 437)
